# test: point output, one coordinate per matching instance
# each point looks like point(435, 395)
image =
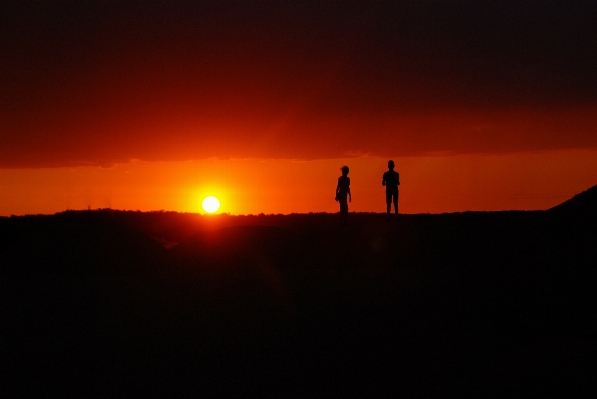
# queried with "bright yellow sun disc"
point(211, 204)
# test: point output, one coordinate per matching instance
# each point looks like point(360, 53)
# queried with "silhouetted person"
point(391, 180)
point(342, 191)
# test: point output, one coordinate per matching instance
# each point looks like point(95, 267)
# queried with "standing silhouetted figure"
point(342, 191)
point(391, 180)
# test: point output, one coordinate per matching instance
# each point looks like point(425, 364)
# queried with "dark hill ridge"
point(466, 303)
point(582, 203)
point(76, 243)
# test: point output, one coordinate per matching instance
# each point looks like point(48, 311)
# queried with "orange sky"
point(431, 184)
point(483, 105)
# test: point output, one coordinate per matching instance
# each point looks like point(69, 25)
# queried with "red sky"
point(196, 91)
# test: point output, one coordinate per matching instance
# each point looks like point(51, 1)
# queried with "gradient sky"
point(483, 105)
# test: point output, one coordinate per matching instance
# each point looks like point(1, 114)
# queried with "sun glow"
point(210, 204)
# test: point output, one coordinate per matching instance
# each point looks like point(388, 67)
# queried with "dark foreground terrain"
point(122, 304)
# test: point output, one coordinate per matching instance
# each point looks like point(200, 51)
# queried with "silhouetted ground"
point(485, 304)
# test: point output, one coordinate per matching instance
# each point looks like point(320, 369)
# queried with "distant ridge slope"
point(585, 202)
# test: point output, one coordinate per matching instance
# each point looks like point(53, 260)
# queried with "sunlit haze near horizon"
point(433, 184)
point(155, 105)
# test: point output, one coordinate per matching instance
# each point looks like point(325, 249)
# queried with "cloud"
point(103, 83)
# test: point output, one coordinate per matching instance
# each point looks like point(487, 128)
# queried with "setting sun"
point(210, 204)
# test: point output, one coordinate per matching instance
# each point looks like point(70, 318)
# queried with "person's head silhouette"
point(344, 170)
point(391, 164)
